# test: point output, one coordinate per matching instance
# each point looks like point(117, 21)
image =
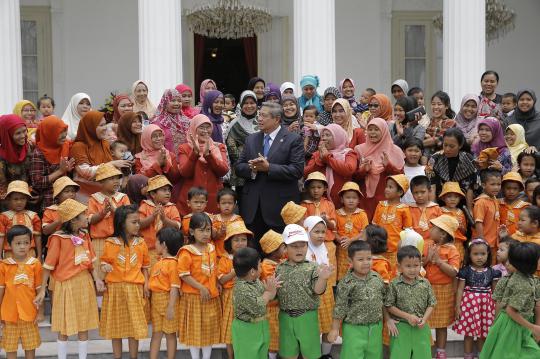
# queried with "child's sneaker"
point(441, 355)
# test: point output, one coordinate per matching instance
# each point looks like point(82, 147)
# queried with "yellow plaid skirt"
point(331, 248)
point(444, 312)
point(342, 258)
point(272, 313)
point(160, 323)
point(122, 313)
point(326, 308)
point(99, 245)
point(26, 332)
point(228, 315)
point(199, 322)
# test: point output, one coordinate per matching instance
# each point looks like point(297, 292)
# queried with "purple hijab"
point(217, 120)
point(496, 141)
point(272, 90)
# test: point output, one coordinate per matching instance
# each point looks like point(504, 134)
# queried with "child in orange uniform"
point(393, 215)
point(486, 210)
point(164, 284)
point(274, 251)
point(441, 261)
point(318, 205)
point(528, 225)
point(200, 306)
point(293, 213)
point(237, 237)
point(102, 205)
point(70, 260)
point(226, 199)
point(197, 201)
point(511, 205)
point(452, 196)
point(422, 210)
point(156, 213)
point(125, 260)
point(63, 188)
point(350, 222)
point(20, 279)
point(17, 196)
point(377, 239)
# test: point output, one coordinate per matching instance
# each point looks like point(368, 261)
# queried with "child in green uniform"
point(410, 300)
point(513, 335)
point(298, 296)
point(360, 306)
point(250, 331)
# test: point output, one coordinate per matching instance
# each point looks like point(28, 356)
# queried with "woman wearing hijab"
point(378, 158)
point(342, 115)
point(155, 159)
point(14, 152)
point(347, 88)
point(309, 84)
point(130, 127)
point(186, 95)
point(257, 85)
point(335, 159)
point(170, 119)
point(79, 105)
point(49, 158)
point(330, 95)
point(121, 105)
point(272, 93)
point(140, 99)
point(399, 88)
point(291, 118)
point(206, 85)
point(467, 118)
point(27, 111)
point(287, 88)
point(380, 107)
point(527, 116)
point(515, 140)
point(201, 162)
point(213, 108)
point(242, 126)
point(491, 135)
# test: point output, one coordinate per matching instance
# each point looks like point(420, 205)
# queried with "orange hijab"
point(88, 148)
point(385, 107)
point(195, 123)
point(48, 131)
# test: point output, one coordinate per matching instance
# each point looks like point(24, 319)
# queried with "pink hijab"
point(202, 91)
point(189, 111)
point(374, 151)
point(339, 151)
point(195, 123)
point(149, 155)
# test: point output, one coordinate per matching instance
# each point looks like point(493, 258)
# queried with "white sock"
point(195, 352)
point(326, 348)
point(207, 352)
point(272, 355)
point(83, 349)
point(62, 349)
point(99, 301)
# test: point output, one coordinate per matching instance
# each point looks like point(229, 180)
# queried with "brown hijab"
point(88, 148)
point(124, 132)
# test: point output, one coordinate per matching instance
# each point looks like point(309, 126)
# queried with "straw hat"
point(292, 212)
point(513, 176)
point(157, 182)
point(451, 187)
point(294, 233)
point(447, 223)
point(402, 182)
point(61, 183)
point(350, 186)
point(270, 241)
point(315, 176)
point(106, 170)
point(70, 209)
point(237, 227)
point(19, 187)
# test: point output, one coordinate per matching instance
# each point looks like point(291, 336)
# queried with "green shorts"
point(299, 335)
point(411, 343)
point(250, 340)
point(362, 341)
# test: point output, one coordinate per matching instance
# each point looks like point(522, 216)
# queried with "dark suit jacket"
point(279, 185)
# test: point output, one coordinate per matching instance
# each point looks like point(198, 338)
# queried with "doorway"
point(229, 62)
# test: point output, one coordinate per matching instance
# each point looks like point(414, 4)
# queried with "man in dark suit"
point(272, 162)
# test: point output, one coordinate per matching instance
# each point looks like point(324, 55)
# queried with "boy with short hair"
point(303, 283)
point(197, 201)
point(486, 210)
point(359, 308)
point(410, 300)
point(422, 210)
point(310, 131)
point(511, 204)
point(508, 104)
point(250, 333)
point(120, 151)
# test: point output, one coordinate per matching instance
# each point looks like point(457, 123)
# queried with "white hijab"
point(71, 117)
point(319, 253)
point(287, 85)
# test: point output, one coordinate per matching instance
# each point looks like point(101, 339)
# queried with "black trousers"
point(259, 227)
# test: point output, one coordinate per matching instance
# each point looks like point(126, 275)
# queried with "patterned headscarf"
point(174, 125)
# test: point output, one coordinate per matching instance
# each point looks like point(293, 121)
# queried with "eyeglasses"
point(373, 105)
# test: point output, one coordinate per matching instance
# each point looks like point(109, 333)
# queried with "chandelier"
point(499, 20)
point(228, 19)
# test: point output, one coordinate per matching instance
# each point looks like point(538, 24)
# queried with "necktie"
point(266, 145)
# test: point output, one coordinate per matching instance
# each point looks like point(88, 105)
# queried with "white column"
point(464, 47)
point(160, 45)
point(11, 87)
point(315, 41)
